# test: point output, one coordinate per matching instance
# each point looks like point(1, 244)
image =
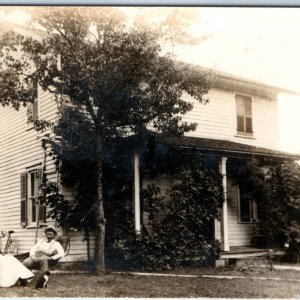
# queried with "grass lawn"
point(283, 285)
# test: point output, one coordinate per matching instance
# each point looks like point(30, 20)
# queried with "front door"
point(242, 212)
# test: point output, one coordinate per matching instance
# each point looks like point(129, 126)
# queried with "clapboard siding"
point(240, 234)
point(217, 119)
point(20, 147)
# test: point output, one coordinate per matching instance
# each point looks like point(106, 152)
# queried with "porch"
point(246, 252)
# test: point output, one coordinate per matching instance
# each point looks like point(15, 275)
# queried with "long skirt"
point(11, 270)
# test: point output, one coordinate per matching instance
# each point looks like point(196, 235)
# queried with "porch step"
point(251, 253)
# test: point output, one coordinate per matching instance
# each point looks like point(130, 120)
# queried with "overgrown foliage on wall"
point(179, 224)
point(275, 185)
point(186, 232)
point(281, 205)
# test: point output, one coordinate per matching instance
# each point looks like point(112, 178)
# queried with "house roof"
point(226, 80)
point(228, 148)
point(240, 84)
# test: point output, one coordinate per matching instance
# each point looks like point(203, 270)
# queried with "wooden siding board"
point(217, 119)
point(20, 148)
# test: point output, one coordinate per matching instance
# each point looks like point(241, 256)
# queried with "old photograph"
point(149, 152)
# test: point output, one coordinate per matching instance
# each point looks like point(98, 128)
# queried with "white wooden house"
point(241, 118)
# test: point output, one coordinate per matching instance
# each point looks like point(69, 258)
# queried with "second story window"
point(32, 108)
point(244, 115)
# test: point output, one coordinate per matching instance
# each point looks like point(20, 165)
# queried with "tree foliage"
point(178, 225)
point(274, 184)
point(281, 205)
point(112, 78)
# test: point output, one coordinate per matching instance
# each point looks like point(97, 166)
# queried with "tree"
point(112, 75)
point(282, 199)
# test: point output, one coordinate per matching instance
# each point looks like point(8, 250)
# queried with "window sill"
point(245, 136)
point(248, 222)
point(32, 226)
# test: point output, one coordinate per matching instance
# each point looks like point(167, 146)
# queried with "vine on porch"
point(178, 223)
point(275, 185)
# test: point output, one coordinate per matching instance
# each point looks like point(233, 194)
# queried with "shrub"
point(185, 233)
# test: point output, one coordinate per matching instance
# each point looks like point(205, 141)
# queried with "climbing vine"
point(275, 185)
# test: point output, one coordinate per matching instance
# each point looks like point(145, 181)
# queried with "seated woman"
point(11, 270)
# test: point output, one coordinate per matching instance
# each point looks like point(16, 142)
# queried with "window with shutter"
point(31, 209)
point(244, 115)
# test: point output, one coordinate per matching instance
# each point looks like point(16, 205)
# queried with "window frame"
point(245, 132)
point(253, 210)
point(30, 195)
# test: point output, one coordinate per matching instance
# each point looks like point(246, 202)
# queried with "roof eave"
point(236, 148)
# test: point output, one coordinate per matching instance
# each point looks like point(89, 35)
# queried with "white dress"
point(11, 270)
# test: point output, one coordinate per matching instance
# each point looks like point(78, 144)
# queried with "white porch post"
point(136, 193)
point(222, 168)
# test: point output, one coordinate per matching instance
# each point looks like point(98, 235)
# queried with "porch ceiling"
point(227, 147)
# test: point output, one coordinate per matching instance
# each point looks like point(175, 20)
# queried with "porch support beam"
point(136, 193)
point(222, 168)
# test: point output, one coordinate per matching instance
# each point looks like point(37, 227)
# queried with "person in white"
point(11, 271)
point(45, 252)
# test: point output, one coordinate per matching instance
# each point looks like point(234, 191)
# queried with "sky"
point(261, 44)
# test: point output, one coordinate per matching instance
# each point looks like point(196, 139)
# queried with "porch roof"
point(227, 147)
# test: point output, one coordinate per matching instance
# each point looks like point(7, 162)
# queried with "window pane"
point(240, 108)
point(249, 125)
point(32, 184)
point(248, 108)
point(42, 213)
point(240, 124)
point(33, 210)
point(244, 114)
point(35, 113)
point(245, 206)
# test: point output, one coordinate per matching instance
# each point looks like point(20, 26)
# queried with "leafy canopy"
point(107, 69)
point(110, 81)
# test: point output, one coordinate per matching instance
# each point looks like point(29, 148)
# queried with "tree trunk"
point(100, 229)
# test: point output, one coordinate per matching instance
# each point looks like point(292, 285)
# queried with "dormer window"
point(244, 115)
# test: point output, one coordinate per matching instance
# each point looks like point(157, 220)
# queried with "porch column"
point(136, 193)
point(222, 168)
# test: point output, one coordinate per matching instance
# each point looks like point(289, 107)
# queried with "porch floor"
point(248, 252)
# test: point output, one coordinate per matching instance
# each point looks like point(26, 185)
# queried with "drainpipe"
point(136, 193)
point(222, 168)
